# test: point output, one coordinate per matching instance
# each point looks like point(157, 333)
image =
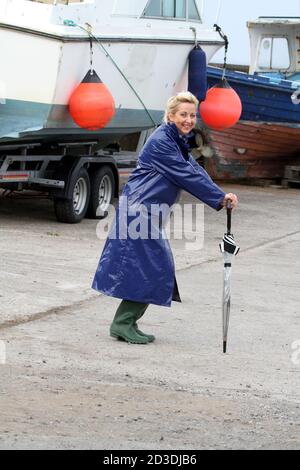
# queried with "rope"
point(225, 38)
point(91, 36)
point(91, 55)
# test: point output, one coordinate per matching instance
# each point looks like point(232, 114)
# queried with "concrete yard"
point(65, 384)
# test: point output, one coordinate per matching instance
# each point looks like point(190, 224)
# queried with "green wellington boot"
point(143, 308)
point(123, 323)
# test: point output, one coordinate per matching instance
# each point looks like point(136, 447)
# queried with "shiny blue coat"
point(142, 270)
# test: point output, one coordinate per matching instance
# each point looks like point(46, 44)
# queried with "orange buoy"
point(222, 107)
point(91, 104)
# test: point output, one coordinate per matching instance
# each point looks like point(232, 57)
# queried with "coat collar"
point(181, 140)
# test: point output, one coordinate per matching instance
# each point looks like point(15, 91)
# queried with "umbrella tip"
point(224, 346)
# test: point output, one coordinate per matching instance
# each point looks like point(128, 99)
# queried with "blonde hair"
point(175, 101)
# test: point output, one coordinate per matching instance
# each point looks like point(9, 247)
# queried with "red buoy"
point(222, 107)
point(91, 104)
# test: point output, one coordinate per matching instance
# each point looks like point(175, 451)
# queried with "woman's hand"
point(231, 197)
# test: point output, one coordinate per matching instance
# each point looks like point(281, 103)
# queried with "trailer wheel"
point(72, 211)
point(102, 192)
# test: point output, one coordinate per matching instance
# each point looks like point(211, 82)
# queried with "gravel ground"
point(65, 384)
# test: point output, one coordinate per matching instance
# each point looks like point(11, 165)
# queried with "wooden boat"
point(253, 150)
point(267, 138)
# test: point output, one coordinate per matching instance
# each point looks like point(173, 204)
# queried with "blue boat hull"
point(264, 99)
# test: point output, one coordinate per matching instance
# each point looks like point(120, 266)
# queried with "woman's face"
point(184, 118)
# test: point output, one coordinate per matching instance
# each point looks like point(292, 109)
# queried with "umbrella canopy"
point(229, 249)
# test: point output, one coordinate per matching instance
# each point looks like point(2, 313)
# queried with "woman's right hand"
point(231, 197)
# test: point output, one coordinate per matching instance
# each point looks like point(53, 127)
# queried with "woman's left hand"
point(233, 198)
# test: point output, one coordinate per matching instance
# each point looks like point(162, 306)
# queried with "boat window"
point(168, 8)
point(153, 9)
point(274, 54)
point(193, 11)
point(180, 9)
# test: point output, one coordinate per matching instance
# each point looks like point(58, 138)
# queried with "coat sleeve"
point(167, 159)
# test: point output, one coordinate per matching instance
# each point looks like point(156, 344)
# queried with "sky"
point(234, 15)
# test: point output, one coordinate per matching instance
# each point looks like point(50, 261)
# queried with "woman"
point(140, 270)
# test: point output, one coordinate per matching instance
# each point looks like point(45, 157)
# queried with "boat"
point(267, 137)
point(139, 50)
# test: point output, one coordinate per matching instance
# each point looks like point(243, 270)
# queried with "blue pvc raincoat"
point(141, 269)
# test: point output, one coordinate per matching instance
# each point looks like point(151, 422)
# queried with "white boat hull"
point(39, 71)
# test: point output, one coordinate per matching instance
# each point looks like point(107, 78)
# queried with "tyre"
point(102, 192)
point(72, 211)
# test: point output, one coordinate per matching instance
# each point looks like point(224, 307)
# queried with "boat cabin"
point(275, 47)
point(155, 9)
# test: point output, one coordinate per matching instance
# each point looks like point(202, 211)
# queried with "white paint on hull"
point(44, 70)
point(29, 66)
point(156, 71)
point(43, 61)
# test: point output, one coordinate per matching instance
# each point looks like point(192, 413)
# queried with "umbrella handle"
point(229, 211)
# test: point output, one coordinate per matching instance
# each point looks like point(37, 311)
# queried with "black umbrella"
point(229, 249)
